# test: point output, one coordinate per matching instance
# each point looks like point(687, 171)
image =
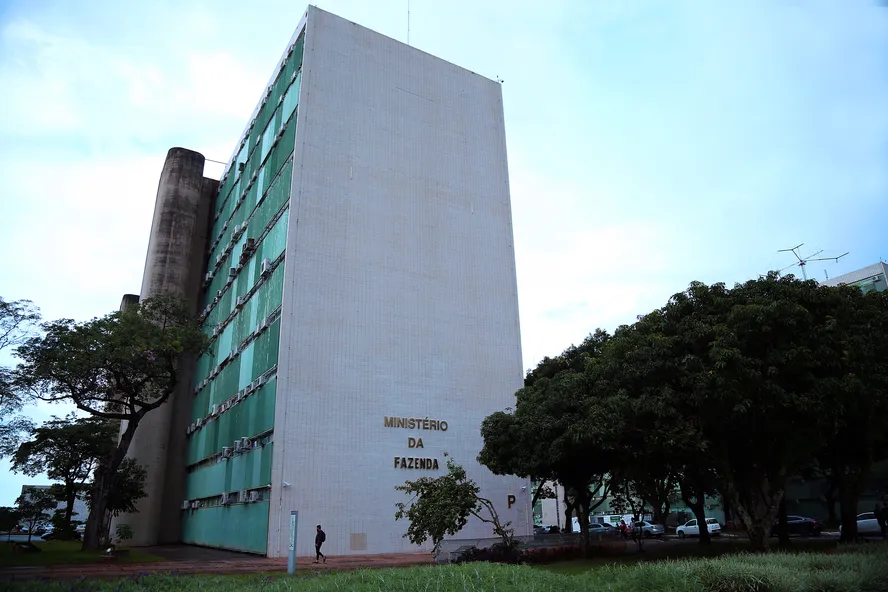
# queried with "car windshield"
point(711, 521)
point(867, 516)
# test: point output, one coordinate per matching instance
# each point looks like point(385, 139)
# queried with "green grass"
point(850, 568)
point(63, 553)
point(656, 551)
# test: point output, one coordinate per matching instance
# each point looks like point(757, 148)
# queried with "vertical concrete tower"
point(173, 265)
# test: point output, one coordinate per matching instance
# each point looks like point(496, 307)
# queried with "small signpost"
point(291, 560)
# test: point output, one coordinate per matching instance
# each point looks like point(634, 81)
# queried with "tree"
point(17, 321)
point(33, 507)
point(119, 367)
point(129, 488)
point(754, 359)
point(68, 450)
point(855, 385)
point(9, 520)
point(644, 373)
point(546, 436)
point(442, 506)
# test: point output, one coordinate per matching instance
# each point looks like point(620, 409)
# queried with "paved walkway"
point(244, 564)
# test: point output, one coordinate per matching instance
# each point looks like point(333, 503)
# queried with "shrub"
point(552, 554)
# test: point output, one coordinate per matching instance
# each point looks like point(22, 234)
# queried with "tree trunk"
point(850, 487)
point(757, 505)
point(699, 510)
point(106, 474)
point(568, 513)
point(830, 496)
point(782, 524)
point(696, 501)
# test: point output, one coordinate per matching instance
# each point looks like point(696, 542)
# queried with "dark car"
point(799, 525)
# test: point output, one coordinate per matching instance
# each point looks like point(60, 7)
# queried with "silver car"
point(867, 525)
point(649, 529)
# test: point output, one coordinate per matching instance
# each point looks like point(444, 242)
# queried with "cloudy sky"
point(651, 143)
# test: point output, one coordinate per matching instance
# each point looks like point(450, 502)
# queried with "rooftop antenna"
point(803, 261)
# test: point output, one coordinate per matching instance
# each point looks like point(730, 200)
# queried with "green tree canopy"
point(18, 319)
point(442, 506)
point(559, 429)
point(34, 508)
point(68, 450)
point(9, 520)
point(118, 367)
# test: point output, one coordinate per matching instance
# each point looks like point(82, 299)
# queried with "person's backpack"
point(323, 536)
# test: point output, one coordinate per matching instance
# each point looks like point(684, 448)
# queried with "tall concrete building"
point(356, 273)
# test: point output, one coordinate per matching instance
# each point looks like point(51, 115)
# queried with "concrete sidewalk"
point(243, 565)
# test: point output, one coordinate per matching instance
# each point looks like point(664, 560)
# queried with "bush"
point(498, 553)
point(552, 554)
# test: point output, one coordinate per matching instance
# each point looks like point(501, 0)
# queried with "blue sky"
point(651, 143)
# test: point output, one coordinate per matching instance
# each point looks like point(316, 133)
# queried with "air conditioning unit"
point(186, 504)
point(246, 444)
point(218, 293)
point(232, 272)
point(250, 244)
point(262, 379)
point(240, 396)
point(237, 446)
point(242, 495)
point(226, 451)
point(241, 165)
point(195, 505)
point(266, 267)
point(255, 496)
point(215, 410)
point(240, 301)
point(227, 499)
point(191, 428)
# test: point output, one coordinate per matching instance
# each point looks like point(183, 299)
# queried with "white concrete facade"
point(400, 294)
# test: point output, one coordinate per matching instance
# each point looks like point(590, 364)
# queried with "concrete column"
point(128, 301)
point(174, 265)
point(182, 400)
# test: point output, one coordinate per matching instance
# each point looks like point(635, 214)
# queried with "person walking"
point(320, 537)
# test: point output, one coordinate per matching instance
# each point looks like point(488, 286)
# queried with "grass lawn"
point(61, 553)
point(864, 567)
point(657, 551)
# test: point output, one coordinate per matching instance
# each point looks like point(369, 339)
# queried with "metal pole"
point(291, 560)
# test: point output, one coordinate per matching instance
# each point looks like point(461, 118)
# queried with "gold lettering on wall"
point(415, 423)
point(409, 462)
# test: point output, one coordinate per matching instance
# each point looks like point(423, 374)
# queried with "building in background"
point(355, 270)
point(870, 278)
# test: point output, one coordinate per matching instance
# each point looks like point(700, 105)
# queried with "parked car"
point(649, 529)
point(50, 535)
point(602, 529)
point(799, 525)
point(867, 525)
point(692, 528)
point(545, 530)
